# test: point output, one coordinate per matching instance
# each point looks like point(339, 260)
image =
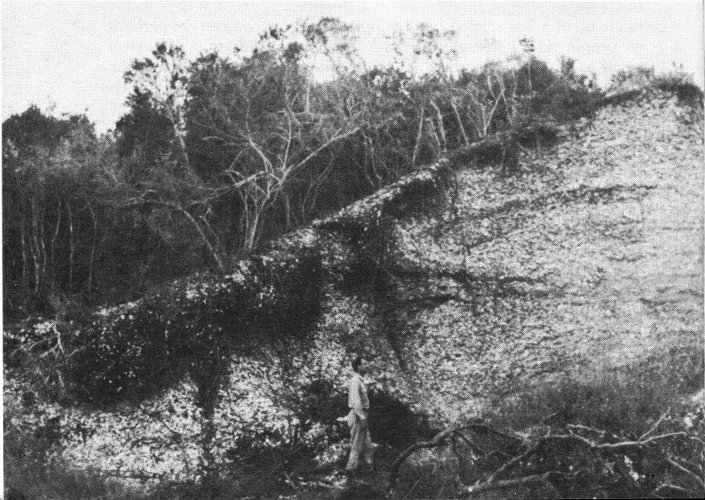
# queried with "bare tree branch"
point(687, 472)
point(641, 438)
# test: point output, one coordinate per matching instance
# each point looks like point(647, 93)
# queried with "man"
point(359, 404)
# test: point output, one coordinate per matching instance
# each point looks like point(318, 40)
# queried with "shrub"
point(677, 82)
point(137, 349)
point(568, 102)
point(687, 92)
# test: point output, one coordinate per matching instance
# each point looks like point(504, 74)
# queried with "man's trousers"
point(361, 443)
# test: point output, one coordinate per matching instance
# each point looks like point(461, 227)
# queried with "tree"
point(163, 178)
point(53, 170)
point(163, 83)
point(260, 130)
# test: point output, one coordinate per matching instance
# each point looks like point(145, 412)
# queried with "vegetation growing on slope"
point(220, 154)
point(185, 363)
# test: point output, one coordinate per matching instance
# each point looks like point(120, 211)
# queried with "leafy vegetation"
point(218, 155)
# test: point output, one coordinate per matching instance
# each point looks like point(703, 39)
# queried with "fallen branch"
point(473, 446)
point(601, 433)
point(515, 483)
point(437, 440)
point(440, 439)
point(513, 461)
point(689, 473)
point(675, 488)
point(521, 447)
point(658, 422)
point(611, 446)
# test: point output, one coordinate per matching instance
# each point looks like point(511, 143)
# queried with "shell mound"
point(590, 260)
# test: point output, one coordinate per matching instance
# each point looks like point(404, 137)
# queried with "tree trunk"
point(252, 228)
point(466, 141)
point(72, 247)
point(441, 128)
point(182, 147)
point(42, 245)
point(56, 234)
point(25, 260)
point(418, 139)
point(287, 208)
point(36, 255)
point(307, 103)
point(90, 262)
point(204, 237)
point(432, 128)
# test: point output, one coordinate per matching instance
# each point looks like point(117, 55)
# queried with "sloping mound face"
point(590, 261)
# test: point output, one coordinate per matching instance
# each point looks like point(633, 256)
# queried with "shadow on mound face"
point(391, 421)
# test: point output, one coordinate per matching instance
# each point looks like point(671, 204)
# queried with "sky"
point(71, 56)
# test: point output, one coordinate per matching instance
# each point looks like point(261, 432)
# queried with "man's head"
point(359, 365)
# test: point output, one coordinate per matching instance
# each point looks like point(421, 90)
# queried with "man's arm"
point(359, 397)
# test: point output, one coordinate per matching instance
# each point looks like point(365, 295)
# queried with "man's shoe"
point(348, 481)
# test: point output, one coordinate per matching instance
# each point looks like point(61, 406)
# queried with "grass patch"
point(26, 478)
point(624, 401)
point(31, 473)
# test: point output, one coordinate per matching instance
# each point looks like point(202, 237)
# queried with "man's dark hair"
point(356, 363)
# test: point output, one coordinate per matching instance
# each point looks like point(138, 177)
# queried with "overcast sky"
point(73, 54)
